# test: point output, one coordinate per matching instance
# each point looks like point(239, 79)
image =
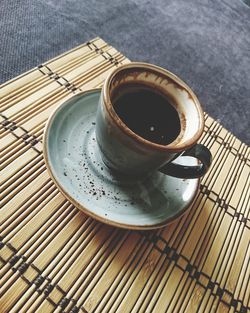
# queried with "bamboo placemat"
point(54, 258)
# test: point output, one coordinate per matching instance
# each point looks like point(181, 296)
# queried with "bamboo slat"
point(53, 258)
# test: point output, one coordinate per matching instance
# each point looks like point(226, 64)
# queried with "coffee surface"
point(148, 114)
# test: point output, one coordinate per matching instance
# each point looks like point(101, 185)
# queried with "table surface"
point(54, 258)
point(206, 43)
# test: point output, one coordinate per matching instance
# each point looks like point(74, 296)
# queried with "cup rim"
point(123, 127)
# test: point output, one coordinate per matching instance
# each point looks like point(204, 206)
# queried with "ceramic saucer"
point(74, 163)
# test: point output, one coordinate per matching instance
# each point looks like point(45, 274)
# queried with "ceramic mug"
point(127, 153)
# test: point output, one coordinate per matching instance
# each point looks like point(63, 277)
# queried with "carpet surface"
point(206, 43)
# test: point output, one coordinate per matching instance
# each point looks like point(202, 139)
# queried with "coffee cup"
point(146, 118)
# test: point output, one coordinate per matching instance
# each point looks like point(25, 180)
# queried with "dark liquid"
point(148, 114)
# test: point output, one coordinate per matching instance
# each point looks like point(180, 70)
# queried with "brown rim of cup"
point(109, 107)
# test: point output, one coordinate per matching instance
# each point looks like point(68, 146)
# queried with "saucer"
point(74, 163)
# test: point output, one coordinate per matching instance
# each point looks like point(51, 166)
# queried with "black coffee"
point(148, 114)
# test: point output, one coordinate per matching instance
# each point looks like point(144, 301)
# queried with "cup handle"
point(181, 171)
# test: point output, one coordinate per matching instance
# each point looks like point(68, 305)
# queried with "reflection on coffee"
point(147, 113)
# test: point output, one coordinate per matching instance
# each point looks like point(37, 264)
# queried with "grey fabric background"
point(206, 43)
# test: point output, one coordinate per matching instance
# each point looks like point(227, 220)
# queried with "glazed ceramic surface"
point(74, 163)
point(134, 154)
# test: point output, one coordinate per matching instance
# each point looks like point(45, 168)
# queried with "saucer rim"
point(84, 209)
